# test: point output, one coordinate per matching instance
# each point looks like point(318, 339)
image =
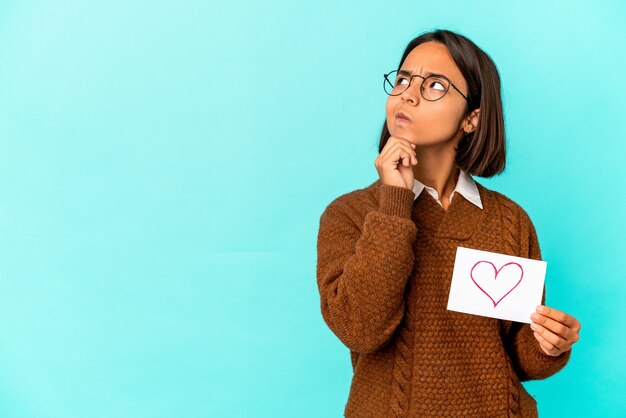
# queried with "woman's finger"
point(399, 151)
point(546, 346)
point(550, 337)
point(557, 328)
point(559, 316)
point(394, 142)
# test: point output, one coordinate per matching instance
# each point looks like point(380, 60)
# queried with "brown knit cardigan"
point(384, 268)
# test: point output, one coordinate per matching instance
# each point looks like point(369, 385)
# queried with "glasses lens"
point(434, 87)
point(395, 84)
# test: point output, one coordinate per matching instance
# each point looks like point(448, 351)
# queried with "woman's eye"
point(400, 79)
point(441, 87)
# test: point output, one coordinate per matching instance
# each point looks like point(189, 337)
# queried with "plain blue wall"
point(163, 167)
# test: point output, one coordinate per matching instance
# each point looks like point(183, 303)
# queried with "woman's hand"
point(395, 163)
point(556, 331)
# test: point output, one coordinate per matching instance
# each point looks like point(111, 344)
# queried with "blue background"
point(163, 167)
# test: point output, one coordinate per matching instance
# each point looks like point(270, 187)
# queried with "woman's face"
point(430, 122)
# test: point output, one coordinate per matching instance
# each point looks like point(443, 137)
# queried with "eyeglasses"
point(433, 87)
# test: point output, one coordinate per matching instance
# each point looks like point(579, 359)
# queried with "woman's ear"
point(471, 121)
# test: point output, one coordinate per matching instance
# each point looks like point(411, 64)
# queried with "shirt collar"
point(465, 185)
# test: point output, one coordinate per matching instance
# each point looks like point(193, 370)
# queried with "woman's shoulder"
point(358, 201)
point(505, 204)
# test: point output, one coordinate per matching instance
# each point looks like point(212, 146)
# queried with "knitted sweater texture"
point(384, 269)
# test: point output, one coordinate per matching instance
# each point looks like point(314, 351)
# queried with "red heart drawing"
point(496, 288)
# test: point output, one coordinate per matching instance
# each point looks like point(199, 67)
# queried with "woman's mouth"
point(402, 120)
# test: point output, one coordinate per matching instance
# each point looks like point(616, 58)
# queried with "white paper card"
point(496, 285)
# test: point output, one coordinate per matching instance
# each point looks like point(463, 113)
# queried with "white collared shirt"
point(464, 185)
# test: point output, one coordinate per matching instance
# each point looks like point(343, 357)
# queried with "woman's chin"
point(404, 134)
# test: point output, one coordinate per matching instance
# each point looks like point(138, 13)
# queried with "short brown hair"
point(483, 152)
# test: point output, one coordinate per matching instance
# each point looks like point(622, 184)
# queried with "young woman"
point(386, 252)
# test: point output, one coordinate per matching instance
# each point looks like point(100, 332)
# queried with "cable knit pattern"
point(384, 269)
point(401, 377)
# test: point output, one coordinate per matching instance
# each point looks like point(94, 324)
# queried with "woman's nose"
point(412, 94)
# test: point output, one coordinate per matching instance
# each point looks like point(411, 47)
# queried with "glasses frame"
point(386, 79)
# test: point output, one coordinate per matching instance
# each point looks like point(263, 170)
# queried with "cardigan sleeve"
point(362, 270)
point(528, 358)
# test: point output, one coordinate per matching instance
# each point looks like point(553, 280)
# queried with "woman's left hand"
point(556, 331)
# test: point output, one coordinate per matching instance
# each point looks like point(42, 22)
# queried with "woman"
point(386, 252)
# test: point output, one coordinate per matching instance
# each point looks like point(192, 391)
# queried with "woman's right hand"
point(395, 163)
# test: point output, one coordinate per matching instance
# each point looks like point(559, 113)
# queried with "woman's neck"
point(436, 168)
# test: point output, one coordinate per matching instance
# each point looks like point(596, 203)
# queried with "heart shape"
point(485, 276)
